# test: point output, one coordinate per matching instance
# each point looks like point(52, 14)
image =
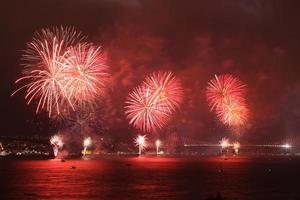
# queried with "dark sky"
point(258, 41)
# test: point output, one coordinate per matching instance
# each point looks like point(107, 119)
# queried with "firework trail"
point(225, 95)
point(150, 106)
point(157, 144)
point(236, 147)
point(56, 142)
point(87, 73)
point(44, 67)
point(140, 141)
point(86, 144)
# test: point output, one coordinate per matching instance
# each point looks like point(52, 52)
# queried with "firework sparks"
point(157, 144)
point(140, 141)
point(150, 106)
point(166, 89)
point(236, 147)
point(56, 142)
point(44, 67)
point(144, 112)
point(86, 144)
point(222, 89)
point(233, 113)
point(87, 73)
point(224, 143)
point(62, 71)
point(225, 94)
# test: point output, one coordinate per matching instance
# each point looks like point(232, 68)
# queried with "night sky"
point(257, 41)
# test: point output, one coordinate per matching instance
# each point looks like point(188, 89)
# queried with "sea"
point(153, 178)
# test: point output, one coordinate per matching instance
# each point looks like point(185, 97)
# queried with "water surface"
point(136, 178)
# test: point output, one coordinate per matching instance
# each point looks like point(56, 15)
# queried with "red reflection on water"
point(133, 178)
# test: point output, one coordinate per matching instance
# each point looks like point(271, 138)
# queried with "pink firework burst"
point(144, 111)
point(150, 106)
point(87, 73)
point(44, 67)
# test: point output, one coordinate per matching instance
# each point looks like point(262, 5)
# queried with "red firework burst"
point(44, 67)
point(233, 113)
point(225, 94)
point(224, 88)
point(166, 89)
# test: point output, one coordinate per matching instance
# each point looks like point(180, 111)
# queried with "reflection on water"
point(151, 178)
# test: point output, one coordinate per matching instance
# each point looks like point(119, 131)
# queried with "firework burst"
point(233, 113)
point(144, 112)
point(224, 143)
point(56, 142)
point(86, 144)
point(222, 89)
point(150, 106)
point(141, 142)
point(166, 89)
point(61, 71)
point(87, 73)
point(44, 67)
point(225, 95)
